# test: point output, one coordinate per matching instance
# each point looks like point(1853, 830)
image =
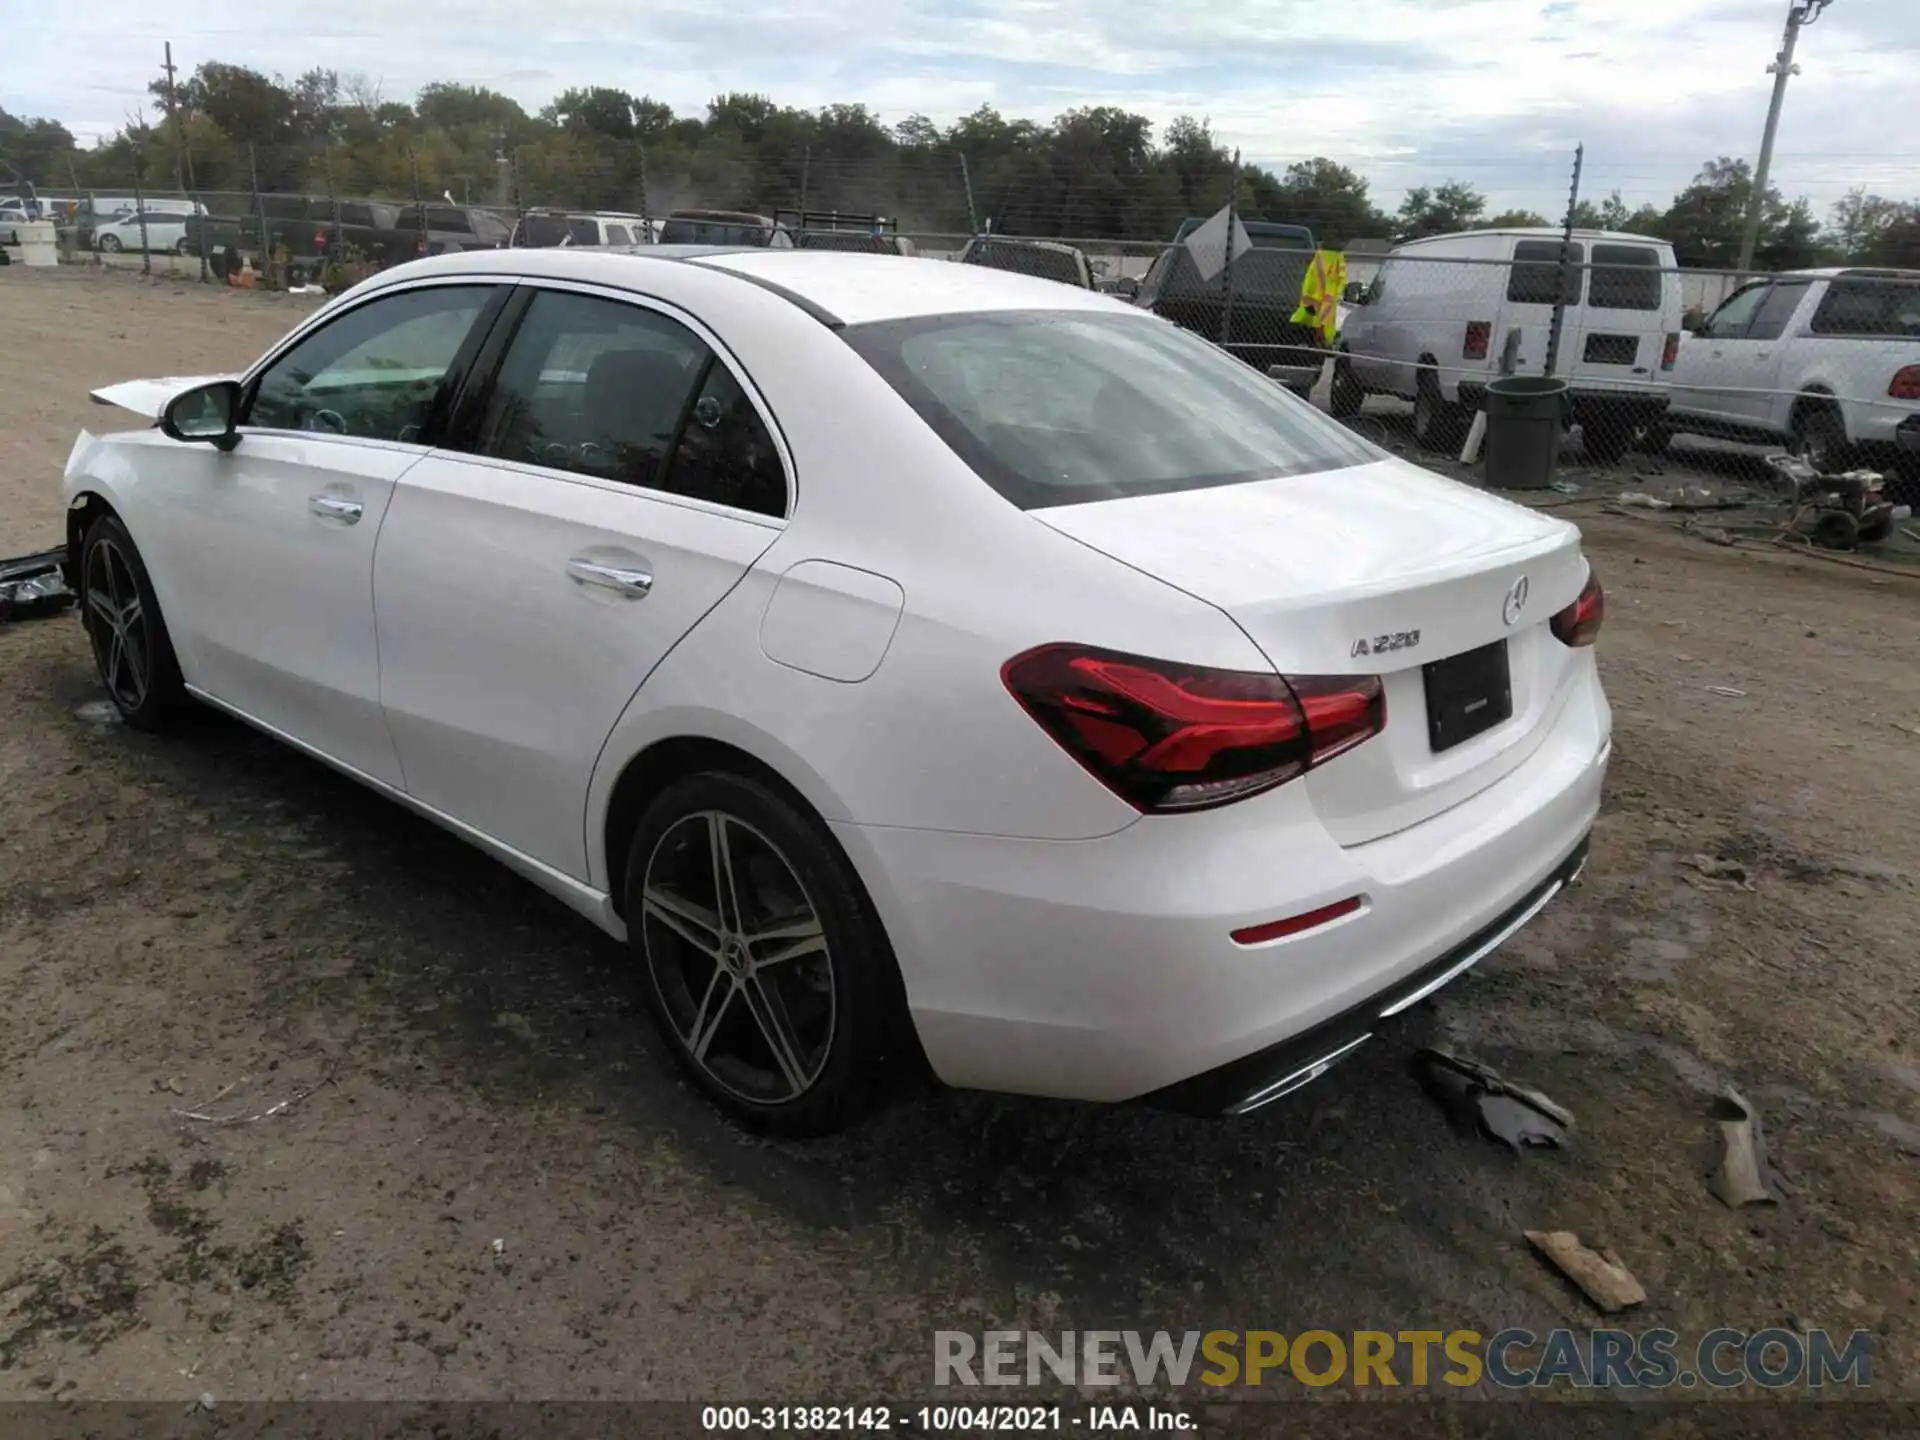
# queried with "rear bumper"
point(1106, 969)
point(1259, 1079)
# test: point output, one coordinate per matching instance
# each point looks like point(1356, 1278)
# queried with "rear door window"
point(1535, 278)
point(618, 235)
point(617, 391)
point(1869, 306)
point(1625, 277)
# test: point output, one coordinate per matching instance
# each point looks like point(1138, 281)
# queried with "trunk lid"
point(1382, 570)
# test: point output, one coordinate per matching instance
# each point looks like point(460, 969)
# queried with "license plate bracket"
point(1467, 694)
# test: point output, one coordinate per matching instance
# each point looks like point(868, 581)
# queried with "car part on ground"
point(33, 585)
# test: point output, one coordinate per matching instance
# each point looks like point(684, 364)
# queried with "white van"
point(1447, 314)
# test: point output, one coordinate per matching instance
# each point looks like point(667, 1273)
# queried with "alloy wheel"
point(117, 625)
point(738, 956)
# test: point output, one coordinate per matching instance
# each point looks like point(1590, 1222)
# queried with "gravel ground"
point(480, 1179)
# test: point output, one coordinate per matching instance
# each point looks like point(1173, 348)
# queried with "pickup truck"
point(1266, 293)
point(386, 234)
point(1826, 361)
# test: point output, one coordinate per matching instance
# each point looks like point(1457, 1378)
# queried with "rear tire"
point(1820, 438)
point(778, 993)
point(1438, 424)
point(131, 647)
point(1655, 438)
point(1606, 438)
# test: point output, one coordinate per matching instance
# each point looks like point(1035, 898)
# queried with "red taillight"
point(1165, 736)
point(320, 242)
point(1906, 384)
point(1294, 924)
point(1671, 353)
point(1479, 340)
point(1579, 623)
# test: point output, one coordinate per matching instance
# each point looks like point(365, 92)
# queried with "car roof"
point(1537, 232)
point(836, 286)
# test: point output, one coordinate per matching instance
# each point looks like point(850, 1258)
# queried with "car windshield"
point(1067, 407)
point(685, 231)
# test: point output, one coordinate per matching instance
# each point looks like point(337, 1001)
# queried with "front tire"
point(1606, 436)
point(109, 244)
point(131, 647)
point(1347, 394)
point(1437, 423)
point(767, 972)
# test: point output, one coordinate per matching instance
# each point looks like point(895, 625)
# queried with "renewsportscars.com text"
point(1652, 1359)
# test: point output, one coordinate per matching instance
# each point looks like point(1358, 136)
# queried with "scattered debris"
point(1480, 1097)
point(206, 1402)
point(499, 1247)
point(98, 712)
point(241, 1117)
point(1601, 1276)
point(1713, 867)
point(1641, 500)
point(1744, 1176)
point(1565, 487)
point(33, 585)
point(1714, 535)
point(1727, 690)
point(1910, 729)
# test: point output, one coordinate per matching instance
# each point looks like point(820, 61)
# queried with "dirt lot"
point(481, 1180)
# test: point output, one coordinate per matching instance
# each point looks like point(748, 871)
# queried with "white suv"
point(1826, 360)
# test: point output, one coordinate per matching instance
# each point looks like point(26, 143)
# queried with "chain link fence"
point(1655, 357)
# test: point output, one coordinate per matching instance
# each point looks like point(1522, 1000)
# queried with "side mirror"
point(1127, 288)
point(1355, 293)
point(205, 414)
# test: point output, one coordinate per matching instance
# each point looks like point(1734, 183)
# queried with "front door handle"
point(622, 579)
point(332, 507)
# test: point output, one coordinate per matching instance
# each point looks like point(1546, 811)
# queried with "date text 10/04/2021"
point(936, 1419)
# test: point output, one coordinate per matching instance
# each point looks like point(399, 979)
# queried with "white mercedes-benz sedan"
point(906, 660)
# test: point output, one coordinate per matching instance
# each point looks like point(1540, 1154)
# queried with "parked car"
point(1043, 259)
point(309, 228)
point(544, 229)
point(447, 229)
point(1446, 315)
point(163, 229)
point(844, 231)
point(1096, 720)
point(1825, 361)
point(1266, 285)
point(13, 214)
point(723, 227)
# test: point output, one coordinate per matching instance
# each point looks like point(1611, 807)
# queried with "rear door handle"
point(333, 507)
point(623, 580)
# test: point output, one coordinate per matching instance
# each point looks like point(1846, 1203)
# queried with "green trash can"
point(1525, 416)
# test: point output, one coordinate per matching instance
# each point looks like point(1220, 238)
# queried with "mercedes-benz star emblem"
point(1515, 602)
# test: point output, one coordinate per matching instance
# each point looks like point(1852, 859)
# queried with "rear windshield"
point(1536, 272)
point(712, 232)
point(1032, 260)
point(1870, 305)
point(1625, 277)
point(537, 232)
point(1067, 407)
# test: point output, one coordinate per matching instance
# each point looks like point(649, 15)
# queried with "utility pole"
point(179, 132)
point(1799, 13)
point(973, 216)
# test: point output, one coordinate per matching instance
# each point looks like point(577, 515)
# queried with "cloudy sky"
point(1494, 92)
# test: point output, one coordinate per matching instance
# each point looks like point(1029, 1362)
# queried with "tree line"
point(1095, 171)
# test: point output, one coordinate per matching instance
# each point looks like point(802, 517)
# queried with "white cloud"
point(1495, 92)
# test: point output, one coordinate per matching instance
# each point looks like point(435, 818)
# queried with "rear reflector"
point(1165, 736)
point(1671, 353)
point(1294, 924)
point(1579, 623)
point(1906, 384)
point(1479, 340)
